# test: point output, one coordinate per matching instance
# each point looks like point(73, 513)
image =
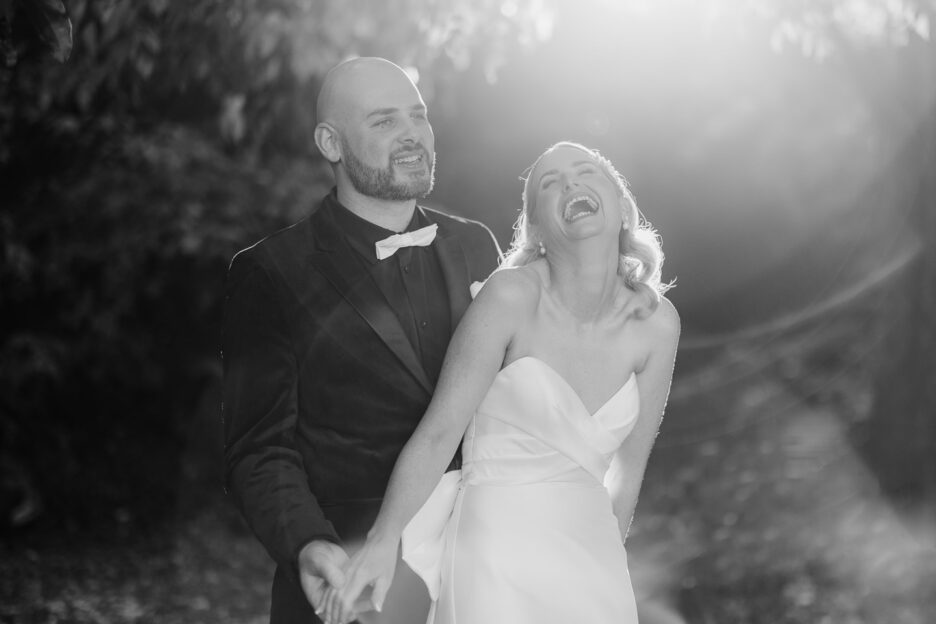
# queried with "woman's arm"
point(653, 382)
point(474, 357)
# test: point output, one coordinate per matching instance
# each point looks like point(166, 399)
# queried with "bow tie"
point(417, 238)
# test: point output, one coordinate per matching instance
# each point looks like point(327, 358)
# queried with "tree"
point(173, 133)
point(899, 435)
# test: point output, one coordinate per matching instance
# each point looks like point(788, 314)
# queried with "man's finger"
point(314, 589)
point(320, 605)
point(380, 593)
point(350, 593)
point(332, 573)
point(344, 612)
point(330, 610)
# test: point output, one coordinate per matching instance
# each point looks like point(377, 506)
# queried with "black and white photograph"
point(467, 311)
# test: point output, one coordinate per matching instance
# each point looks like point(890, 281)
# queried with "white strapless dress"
point(525, 533)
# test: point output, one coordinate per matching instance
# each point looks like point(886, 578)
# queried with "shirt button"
point(406, 268)
point(424, 324)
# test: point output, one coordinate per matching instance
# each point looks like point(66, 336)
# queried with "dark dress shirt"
point(412, 282)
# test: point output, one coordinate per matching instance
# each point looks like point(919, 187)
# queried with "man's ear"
point(326, 139)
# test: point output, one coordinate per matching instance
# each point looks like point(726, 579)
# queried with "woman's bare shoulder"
point(515, 287)
point(664, 323)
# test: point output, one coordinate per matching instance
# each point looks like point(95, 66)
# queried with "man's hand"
point(321, 565)
point(372, 566)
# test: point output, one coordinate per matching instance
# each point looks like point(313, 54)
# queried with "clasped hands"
point(334, 583)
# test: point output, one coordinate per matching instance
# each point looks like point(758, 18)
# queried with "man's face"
point(387, 145)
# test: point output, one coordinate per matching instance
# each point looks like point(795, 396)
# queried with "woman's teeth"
point(578, 207)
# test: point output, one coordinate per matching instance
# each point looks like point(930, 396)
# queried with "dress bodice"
point(532, 427)
point(533, 465)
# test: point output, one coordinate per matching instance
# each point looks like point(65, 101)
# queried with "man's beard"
point(381, 183)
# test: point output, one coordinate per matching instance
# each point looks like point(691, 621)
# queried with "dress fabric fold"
point(525, 532)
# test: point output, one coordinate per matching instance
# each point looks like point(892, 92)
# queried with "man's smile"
point(409, 158)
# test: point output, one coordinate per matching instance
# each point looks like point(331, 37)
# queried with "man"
point(334, 336)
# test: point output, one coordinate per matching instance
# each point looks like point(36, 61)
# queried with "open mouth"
point(409, 159)
point(578, 207)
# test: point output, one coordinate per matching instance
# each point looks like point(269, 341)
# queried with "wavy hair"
point(641, 255)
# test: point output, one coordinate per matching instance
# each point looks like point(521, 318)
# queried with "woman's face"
point(574, 198)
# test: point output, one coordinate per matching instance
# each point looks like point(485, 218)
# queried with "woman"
point(557, 378)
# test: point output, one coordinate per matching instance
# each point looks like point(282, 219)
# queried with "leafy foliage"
point(820, 29)
point(176, 133)
point(47, 19)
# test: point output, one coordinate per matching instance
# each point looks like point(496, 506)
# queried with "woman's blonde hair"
point(641, 256)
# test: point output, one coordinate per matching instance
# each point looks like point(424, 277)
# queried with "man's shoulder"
point(474, 234)
point(283, 246)
point(475, 238)
point(455, 223)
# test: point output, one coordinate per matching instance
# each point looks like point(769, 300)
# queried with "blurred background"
point(785, 151)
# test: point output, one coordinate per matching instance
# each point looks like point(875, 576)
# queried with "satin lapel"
point(455, 271)
point(335, 260)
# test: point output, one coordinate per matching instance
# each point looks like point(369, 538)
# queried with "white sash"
point(424, 537)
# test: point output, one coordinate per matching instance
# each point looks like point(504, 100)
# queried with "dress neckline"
point(631, 379)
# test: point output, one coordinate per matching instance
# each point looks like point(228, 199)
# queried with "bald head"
point(373, 128)
point(356, 83)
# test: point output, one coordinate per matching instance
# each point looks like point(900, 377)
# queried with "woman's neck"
point(585, 281)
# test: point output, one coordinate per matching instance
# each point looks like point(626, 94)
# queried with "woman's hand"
point(373, 565)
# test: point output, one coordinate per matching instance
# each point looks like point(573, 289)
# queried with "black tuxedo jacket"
point(321, 386)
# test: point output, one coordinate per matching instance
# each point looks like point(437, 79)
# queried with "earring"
point(542, 248)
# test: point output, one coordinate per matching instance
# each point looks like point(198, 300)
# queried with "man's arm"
point(263, 469)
